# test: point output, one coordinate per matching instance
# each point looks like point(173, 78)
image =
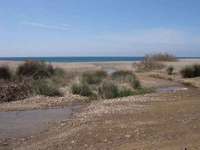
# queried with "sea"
point(81, 59)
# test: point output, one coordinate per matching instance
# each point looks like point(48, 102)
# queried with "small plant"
point(93, 77)
point(191, 71)
point(82, 89)
point(35, 70)
point(108, 90)
point(5, 73)
point(170, 70)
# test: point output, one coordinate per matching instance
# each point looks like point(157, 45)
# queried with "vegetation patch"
point(191, 71)
point(118, 84)
point(161, 57)
point(82, 89)
point(5, 73)
point(11, 91)
point(31, 78)
point(45, 87)
point(149, 65)
point(154, 61)
point(35, 70)
point(93, 77)
point(170, 70)
point(108, 89)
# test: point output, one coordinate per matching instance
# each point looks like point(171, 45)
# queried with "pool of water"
point(26, 123)
point(171, 89)
point(109, 70)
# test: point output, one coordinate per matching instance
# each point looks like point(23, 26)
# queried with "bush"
point(12, 91)
point(5, 73)
point(35, 70)
point(123, 92)
point(161, 57)
point(170, 70)
point(108, 90)
point(127, 76)
point(149, 65)
point(191, 71)
point(122, 75)
point(46, 88)
point(82, 89)
point(135, 83)
point(93, 77)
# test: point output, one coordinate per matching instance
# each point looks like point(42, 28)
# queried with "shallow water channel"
point(26, 123)
point(171, 89)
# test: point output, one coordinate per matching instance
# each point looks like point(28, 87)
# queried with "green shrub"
point(108, 90)
point(191, 71)
point(170, 70)
point(93, 77)
point(127, 76)
point(76, 88)
point(121, 75)
point(35, 70)
point(123, 92)
point(82, 89)
point(5, 73)
point(46, 88)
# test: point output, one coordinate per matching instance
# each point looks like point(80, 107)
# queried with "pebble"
point(128, 136)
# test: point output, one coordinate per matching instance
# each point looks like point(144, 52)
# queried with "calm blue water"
point(79, 59)
point(73, 59)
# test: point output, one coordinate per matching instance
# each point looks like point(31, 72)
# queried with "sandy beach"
point(167, 119)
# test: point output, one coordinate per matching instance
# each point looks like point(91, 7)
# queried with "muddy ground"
point(167, 120)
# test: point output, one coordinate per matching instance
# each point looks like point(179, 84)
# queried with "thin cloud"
point(62, 27)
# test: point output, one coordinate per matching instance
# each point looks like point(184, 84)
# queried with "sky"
point(99, 27)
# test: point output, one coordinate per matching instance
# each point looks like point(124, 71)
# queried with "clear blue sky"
point(99, 27)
